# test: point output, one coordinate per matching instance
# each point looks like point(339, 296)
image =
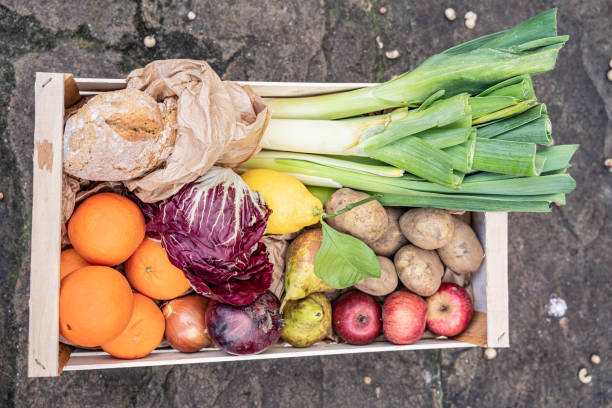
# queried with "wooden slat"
point(64, 355)
point(89, 361)
point(476, 333)
point(97, 85)
point(496, 227)
point(46, 219)
point(89, 86)
point(71, 91)
point(288, 89)
point(478, 279)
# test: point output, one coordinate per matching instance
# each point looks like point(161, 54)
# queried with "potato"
point(380, 286)
point(463, 254)
point(427, 228)
point(366, 222)
point(420, 270)
point(392, 239)
point(465, 217)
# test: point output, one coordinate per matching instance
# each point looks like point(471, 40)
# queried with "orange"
point(143, 333)
point(106, 229)
point(70, 261)
point(151, 273)
point(95, 305)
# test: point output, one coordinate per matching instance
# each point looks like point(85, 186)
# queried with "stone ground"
point(564, 254)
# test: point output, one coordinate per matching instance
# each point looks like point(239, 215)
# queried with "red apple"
point(356, 318)
point(404, 317)
point(449, 310)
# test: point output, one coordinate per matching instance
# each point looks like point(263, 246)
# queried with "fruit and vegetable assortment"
point(129, 314)
point(369, 190)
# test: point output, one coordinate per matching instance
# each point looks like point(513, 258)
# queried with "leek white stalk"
point(356, 138)
point(316, 136)
point(366, 165)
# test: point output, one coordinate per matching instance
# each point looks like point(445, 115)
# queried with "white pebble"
point(191, 15)
point(367, 380)
point(149, 41)
point(379, 42)
point(470, 19)
point(556, 306)
point(610, 75)
point(610, 63)
point(450, 14)
point(595, 359)
point(583, 376)
point(490, 353)
point(470, 15)
point(392, 54)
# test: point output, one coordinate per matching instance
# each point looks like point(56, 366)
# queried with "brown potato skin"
point(366, 222)
point(464, 253)
point(420, 270)
point(427, 228)
point(392, 239)
point(465, 217)
point(380, 286)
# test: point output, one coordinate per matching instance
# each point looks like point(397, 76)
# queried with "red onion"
point(246, 329)
point(186, 323)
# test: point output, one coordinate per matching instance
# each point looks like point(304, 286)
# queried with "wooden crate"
point(489, 326)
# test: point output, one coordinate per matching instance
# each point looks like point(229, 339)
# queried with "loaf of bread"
point(119, 135)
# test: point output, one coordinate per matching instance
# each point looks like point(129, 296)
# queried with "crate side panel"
point(84, 361)
point(479, 278)
point(497, 279)
point(46, 226)
point(89, 86)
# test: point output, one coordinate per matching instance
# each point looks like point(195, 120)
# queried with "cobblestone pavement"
point(565, 254)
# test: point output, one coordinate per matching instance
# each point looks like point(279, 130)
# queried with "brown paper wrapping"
point(76, 190)
point(218, 123)
point(277, 248)
point(462, 280)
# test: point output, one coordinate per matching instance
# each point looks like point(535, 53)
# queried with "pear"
point(307, 320)
point(300, 279)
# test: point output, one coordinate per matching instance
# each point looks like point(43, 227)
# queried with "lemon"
point(292, 205)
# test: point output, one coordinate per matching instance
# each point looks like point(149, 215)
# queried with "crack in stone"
point(223, 390)
point(310, 63)
point(431, 366)
point(325, 42)
point(145, 380)
point(378, 69)
point(566, 224)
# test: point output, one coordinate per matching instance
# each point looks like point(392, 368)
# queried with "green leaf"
point(343, 260)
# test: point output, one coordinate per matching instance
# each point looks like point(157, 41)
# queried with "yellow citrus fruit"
point(292, 205)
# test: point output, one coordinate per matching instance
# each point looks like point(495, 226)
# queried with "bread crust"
point(119, 135)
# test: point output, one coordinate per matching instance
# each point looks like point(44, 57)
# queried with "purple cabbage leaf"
point(211, 230)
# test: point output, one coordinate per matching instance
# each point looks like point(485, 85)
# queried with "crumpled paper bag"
point(74, 191)
point(219, 122)
point(277, 248)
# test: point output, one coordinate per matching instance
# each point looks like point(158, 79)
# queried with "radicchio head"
point(211, 230)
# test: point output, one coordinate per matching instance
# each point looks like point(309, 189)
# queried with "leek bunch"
point(461, 131)
point(528, 48)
